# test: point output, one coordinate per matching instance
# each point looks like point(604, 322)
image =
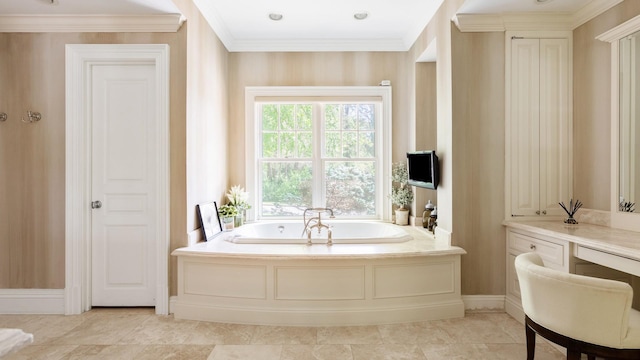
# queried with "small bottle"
point(433, 220)
point(426, 214)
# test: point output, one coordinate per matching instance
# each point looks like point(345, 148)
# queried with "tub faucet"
point(317, 223)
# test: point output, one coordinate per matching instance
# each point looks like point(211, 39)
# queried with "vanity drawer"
point(617, 262)
point(553, 254)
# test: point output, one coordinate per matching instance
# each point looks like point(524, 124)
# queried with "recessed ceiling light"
point(542, 1)
point(275, 16)
point(360, 15)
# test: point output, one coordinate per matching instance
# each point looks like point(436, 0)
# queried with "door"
point(123, 247)
point(540, 149)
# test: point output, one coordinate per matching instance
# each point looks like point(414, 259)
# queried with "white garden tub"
point(343, 232)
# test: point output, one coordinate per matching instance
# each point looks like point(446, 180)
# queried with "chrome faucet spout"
point(308, 226)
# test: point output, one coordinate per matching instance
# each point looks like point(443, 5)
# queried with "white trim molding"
point(619, 220)
point(483, 302)
point(532, 21)
point(79, 59)
point(91, 23)
point(252, 137)
point(32, 301)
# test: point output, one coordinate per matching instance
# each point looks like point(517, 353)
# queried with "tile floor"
point(140, 334)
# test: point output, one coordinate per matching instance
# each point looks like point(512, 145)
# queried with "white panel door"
point(555, 163)
point(525, 125)
point(124, 137)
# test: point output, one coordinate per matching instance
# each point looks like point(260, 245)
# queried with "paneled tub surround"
point(320, 285)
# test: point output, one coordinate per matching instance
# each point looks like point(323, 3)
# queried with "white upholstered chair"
point(585, 315)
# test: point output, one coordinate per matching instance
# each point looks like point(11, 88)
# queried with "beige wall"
point(592, 106)
point(478, 159)
point(315, 69)
point(32, 157)
point(204, 139)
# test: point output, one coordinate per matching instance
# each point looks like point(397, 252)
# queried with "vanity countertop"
point(615, 241)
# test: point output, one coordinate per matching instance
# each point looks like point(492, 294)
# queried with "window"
point(311, 147)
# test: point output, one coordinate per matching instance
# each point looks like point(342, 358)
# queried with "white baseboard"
point(484, 302)
point(31, 301)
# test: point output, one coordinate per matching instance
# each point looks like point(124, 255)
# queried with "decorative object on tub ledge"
point(228, 215)
point(209, 220)
point(238, 198)
point(3, 116)
point(626, 206)
point(426, 214)
point(401, 194)
point(573, 208)
point(32, 116)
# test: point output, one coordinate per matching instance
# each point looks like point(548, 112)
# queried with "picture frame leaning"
point(209, 220)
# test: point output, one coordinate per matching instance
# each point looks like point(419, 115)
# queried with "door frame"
point(80, 58)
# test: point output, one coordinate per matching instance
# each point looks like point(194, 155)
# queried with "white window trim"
point(252, 93)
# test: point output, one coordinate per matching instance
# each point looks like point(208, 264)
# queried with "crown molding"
point(628, 27)
point(532, 21)
point(90, 23)
point(591, 10)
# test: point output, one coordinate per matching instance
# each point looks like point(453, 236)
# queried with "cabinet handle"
point(532, 247)
point(544, 212)
point(537, 212)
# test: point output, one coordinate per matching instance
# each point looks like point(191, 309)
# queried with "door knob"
point(96, 204)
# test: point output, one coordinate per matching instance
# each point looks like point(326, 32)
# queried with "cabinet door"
point(555, 149)
point(540, 126)
point(525, 125)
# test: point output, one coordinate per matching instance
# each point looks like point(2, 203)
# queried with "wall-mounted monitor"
point(423, 169)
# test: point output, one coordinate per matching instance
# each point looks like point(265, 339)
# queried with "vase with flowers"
point(228, 214)
point(401, 193)
point(239, 199)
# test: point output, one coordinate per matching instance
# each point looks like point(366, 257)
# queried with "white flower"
point(238, 197)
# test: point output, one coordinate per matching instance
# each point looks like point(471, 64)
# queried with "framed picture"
point(209, 220)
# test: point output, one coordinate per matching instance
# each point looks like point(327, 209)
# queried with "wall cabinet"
point(538, 125)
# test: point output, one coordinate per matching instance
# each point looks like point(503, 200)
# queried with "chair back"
point(580, 307)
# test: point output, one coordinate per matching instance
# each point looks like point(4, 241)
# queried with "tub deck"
point(319, 285)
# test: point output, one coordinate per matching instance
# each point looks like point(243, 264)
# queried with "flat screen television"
point(423, 169)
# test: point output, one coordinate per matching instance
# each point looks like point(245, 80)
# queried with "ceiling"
point(328, 25)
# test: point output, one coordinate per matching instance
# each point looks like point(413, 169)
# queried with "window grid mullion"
point(318, 151)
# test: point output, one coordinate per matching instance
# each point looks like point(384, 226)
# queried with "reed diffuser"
point(571, 210)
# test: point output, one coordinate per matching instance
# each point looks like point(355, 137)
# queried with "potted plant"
point(228, 214)
point(238, 198)
point(401, 193)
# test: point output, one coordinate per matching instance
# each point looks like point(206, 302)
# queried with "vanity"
point(609, 248)
point(584, 249)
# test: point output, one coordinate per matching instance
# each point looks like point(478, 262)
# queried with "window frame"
point(256, 96)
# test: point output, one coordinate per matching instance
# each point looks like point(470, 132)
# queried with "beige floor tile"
point(160, 330)
point(519, 351)
point(41, 352)
point(246, 352)
point(223, 334)
point(475, 329)
point(105, 352)
point(387, 352)
point(102, 330)
point(349, 335)
point(281, 335)
point(414, 333)
point(454, 351)
point(316, 352)
point(175, 352)
point(103, 334)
